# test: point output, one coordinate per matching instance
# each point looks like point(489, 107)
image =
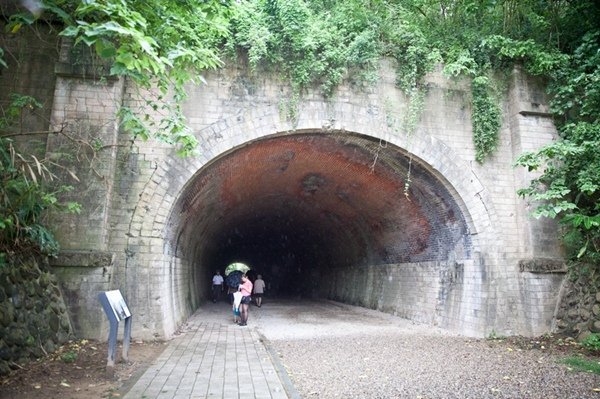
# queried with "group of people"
point(241, 296)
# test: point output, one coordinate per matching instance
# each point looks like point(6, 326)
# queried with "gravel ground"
point(339, 351)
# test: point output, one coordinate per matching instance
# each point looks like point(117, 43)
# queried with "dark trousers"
point(216, 292)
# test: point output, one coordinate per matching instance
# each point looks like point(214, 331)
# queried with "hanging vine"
point(486, 119)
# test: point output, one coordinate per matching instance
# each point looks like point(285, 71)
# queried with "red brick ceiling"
point(316, 200)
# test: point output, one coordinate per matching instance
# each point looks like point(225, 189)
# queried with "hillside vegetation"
point(168, 43)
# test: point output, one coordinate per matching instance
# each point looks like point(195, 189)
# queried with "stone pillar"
point(84, 119)
point(542, 268)
point(84, 115)
point(531, 128)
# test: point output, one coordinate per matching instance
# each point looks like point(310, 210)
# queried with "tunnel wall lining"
point(432, 293)
point(427, 147)
point(225, 114)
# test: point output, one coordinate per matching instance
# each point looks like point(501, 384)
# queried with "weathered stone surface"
point(5, 352)
point(580, 328)
point(543, 265)
point(595, 326)
point(65, 324)
point(83, 259)
point(561, 324)
point(579, 313)
point(44, 280)
point(49, 346)
point(573, 314)
point(15, 336)
point(585, 314)
point(7, 313)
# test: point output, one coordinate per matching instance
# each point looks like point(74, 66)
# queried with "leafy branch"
point(160, 45)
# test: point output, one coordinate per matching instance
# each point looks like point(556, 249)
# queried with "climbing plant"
point(164, 44)
point(486, 118)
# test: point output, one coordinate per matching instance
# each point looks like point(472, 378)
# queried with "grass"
point(582, 364)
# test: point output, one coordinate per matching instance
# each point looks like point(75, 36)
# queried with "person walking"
point(217, 286)
point(259, 290)
point(246, 290)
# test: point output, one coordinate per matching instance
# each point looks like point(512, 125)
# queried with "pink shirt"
point(246, 288)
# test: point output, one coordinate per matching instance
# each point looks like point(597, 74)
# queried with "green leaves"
point(538, 59)
point(163, 45)
point(576, 87)
point(568, 187)
point(486, 118)
point(25, 195)
point(160, 44)
point(24, 199)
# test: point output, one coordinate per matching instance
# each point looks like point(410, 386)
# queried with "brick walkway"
point(212, 360)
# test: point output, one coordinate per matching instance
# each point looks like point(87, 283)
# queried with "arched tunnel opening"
point(309, 209)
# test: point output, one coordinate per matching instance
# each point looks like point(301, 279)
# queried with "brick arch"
point(149, 229)
point(455, 174)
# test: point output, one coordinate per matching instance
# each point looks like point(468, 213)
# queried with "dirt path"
point(78, 371)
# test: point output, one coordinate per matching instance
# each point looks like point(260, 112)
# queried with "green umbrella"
point(237, 266)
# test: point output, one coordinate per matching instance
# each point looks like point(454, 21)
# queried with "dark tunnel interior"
point(299, 208)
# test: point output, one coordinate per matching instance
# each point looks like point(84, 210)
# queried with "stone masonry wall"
point(418, 291)
point(578, 313)
point(235, 107)
point(30, 72)
point(33, 316)
point(130, 190)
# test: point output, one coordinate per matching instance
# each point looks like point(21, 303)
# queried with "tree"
point(159, 45)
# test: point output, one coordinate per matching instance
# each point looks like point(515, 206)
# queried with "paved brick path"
point(212, 360)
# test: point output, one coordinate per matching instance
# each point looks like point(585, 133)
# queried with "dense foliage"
point(24, 196)
point(323, 42)
point(164, 44)
point(569, 187)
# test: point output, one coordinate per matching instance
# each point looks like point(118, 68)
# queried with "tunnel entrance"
point(306, 210)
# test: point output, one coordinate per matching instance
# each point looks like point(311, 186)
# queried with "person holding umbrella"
point(233, 277)
point(246, 289)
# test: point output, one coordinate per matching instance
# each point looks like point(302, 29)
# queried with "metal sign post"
point(116, 310)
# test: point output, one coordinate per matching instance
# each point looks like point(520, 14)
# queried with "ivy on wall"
point(486, 119)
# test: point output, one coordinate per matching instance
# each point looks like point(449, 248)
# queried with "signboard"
point(116, 310)
point(117, 304)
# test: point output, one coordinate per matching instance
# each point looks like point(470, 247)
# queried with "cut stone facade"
point(370, 211)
